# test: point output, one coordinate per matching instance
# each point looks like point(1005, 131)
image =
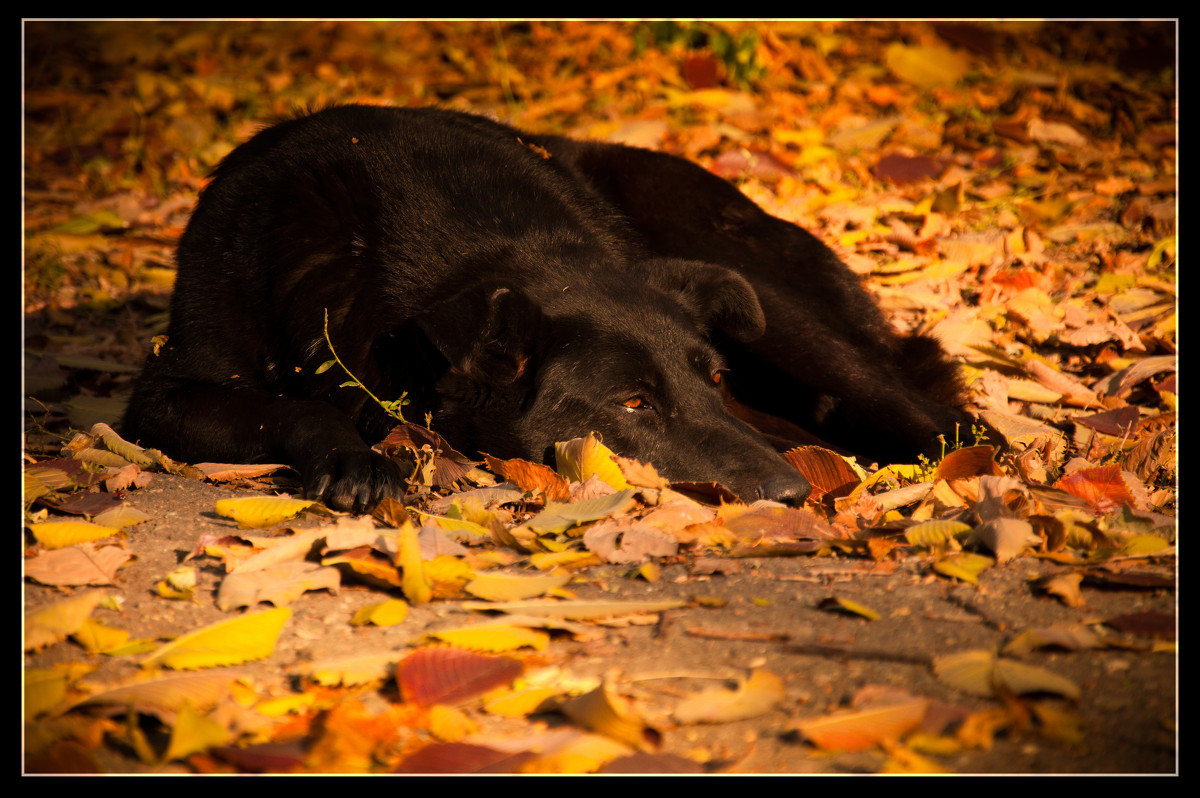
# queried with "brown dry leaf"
point(757, 695)
point(279, 585)
point(369, 565)
point(1005, 537)
point(1074, 637)
point(1072, 391)
point(628, 541)
point(1066, 588)
point(227, 472)
point(447, 675)
point(82, 564)
point(860, 729)
point(164, 697)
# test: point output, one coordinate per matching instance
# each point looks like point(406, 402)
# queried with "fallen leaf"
point(860, 729)
point(54, 622)
point(445, 675)
point(263, 511)
point(757, 695)
point(250, 637)
point(495, 586)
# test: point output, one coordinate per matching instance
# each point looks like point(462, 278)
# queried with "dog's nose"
point(788, 488)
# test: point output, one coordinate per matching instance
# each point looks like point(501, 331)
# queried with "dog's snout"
point(789, 488)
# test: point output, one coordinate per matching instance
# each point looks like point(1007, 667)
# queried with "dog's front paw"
point(353, 480)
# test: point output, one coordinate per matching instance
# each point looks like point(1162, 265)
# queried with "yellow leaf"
point(926, 67)
point(414, 583)
point(60, 534)
point(934, 533)
point(579, 610)
point(519, 703)
point(758, 695)
point(250, 637)
point(963, 565)
point(45, 688)
point(580, 458)
point(511, 587)
point(54, 622)
point(385, 613)
point(603, 710)
point(97, 638)
point(262, 511)
point(846, 605)
point(193, 733)
point(494, 637)
point(583, 755)
point(982, 673)
point(449, 724)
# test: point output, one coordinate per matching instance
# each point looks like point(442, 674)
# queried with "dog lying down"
point(522, 289)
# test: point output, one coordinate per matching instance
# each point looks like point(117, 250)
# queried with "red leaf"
point(445, 675)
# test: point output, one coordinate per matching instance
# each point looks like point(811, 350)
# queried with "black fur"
point(523, 290)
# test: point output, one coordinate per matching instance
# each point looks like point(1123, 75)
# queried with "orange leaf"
point(857, 730)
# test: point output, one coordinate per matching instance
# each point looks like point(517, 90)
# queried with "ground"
point(1018, 203)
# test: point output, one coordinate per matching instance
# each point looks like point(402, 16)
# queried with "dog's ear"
point(489, 333)
point(714, 295)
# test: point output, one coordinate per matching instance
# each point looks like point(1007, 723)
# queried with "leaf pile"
point(1008, 187)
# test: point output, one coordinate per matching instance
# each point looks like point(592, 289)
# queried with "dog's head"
point(629, 356)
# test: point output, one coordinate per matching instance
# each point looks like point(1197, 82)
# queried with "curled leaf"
point(757, 695)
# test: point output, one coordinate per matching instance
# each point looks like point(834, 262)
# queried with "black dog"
point(523, 290)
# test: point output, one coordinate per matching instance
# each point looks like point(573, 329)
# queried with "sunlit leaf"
point(604, 711)
point(859, 729)
point(243, 639)
point(926, 66)
point(53, 622)
point(560, 517)
point(278, 585)
point(577, 609)
point(385, 613)
point(80, 564)
point(262, 511)
point(580, 458)
point(194, 732)
point(756, 695)
point(840, 604)
point(446, 675)
point(983, 673)
point(494, 637)
point(60, 534)
point(496, 586)
point(416, 586)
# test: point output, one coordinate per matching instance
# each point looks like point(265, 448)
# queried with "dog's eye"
point(718, 377)
point(635, 403)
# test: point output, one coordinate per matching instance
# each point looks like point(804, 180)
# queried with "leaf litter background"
point(1010, 187)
